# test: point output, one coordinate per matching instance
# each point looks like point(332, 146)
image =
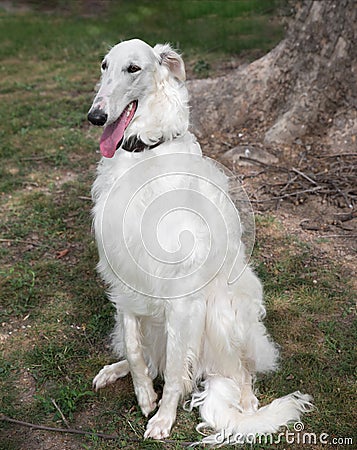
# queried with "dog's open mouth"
point(113, 134)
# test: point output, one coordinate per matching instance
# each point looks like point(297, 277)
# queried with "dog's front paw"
point(146, 398)
point(109, 374)
point(159, 427)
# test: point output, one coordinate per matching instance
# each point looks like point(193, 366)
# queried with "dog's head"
point(141, 93)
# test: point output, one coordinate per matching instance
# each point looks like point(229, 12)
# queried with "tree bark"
point(295, 89)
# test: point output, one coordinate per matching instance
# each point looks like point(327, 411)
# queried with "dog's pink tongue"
point(111, 137)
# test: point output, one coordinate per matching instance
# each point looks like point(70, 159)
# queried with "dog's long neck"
point(162, 115)
point(135, 145)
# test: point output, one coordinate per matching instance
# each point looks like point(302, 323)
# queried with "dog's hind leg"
point(109, 374)
point(139, 371)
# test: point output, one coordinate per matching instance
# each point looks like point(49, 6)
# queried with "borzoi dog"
point(178, 317)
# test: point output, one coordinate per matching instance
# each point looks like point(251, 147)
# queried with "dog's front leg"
point(184, 331)
point(139, 371)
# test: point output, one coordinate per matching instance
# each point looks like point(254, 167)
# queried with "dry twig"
point(336, 183)
point(21, 241)
point(60, 412)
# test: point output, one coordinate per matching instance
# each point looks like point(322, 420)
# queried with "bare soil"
point(310, 186)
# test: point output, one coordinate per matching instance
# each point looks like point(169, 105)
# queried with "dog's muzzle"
point(97, 117)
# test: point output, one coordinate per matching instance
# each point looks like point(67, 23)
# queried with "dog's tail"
point(220, 410)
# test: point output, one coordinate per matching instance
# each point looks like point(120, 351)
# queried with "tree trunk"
point(296, 88)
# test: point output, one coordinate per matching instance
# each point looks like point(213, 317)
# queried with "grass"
point(198, 26)
point(54, 314)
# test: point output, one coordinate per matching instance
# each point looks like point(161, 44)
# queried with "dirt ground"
point(309, 186)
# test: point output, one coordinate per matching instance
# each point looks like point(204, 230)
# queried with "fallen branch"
point(344, 217)
point(339, 236)
point(261, 163)
point(338, 155)
point(58, 430)
point(85, 433)
point(304, 176)
point(20, 241)
point(34, 158)
point(336, 181)
point(292, 194)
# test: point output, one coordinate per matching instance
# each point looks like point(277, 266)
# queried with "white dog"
point(177, 313)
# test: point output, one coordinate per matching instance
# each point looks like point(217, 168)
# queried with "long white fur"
point(215, 335)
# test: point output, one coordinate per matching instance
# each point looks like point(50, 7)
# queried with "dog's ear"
point(171, 60)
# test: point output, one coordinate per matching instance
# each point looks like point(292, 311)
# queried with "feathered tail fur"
point(221, 412)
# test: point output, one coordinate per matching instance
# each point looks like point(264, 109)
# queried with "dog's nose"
point(97, 117)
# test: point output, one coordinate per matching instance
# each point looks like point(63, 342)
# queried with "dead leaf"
point(62, 253)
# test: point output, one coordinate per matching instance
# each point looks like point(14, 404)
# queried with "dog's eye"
point(104, 65)
point(133, 68)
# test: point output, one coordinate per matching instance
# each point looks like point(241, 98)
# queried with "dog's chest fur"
point(139, 242)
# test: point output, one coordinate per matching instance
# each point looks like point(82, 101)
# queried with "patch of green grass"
point(18, 286)
point(311, 315)
point(202, 27)
point(53, 359)
point(66, 400)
